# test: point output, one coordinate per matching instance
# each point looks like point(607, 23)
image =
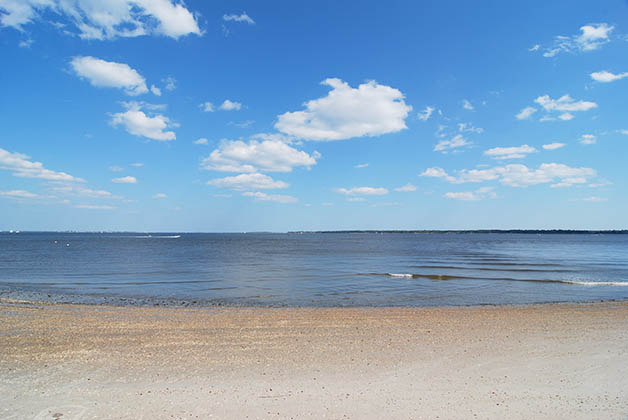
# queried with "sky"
point(197, 116)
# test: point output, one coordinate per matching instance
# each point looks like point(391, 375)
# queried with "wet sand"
point(519, 362)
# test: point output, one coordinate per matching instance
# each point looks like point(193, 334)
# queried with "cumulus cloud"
point(79, 190)
point(588, 139)
point(607, 77)
point(553, 146)
point(138, 123)
point(406, 188)
point(243, 17)
point(228, 105)
point(94, 207)
point(426, 113)
point(370, 110)
point(202, 140)
point(361, 165)
point(592, 37)
point(478, 194)
point(271, 155)
point(21, 166)
point(564, 103)
point(160, 195)
point(467, 105)
point(18, 194)
point(510, 152)
point(254, 181)
point(101, 73)
point(526, 113)
point(517, 175)
point(444, 146)
point(207, 107)
point(137, 164)
point(156, 91)
point(278, 198)
point(362, 191)
point(105, 19)
point(125, 180)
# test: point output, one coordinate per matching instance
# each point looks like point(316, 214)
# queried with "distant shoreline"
point(376, 231)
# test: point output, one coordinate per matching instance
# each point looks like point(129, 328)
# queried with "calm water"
point(317, 269)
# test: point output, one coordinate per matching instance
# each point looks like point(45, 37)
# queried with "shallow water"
point(318, 269)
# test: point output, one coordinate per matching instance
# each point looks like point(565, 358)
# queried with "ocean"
point(313, 269)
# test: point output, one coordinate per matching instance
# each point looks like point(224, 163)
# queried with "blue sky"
point(158, 115)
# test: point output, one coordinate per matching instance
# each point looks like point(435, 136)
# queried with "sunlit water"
point(333, 269)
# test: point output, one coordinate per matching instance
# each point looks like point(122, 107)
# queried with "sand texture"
point(75, 362)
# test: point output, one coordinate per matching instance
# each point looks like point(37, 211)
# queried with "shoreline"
point(34, 297)
point(513, 361)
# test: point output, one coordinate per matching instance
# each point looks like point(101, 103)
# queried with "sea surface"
point(314, 269)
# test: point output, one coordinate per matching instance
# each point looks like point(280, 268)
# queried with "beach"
point(62, 361)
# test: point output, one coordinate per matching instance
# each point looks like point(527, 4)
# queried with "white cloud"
point(362, 191)
point(80, 191)
point(207, 107)
point(94, 207)
point(564, 103)
point(361, 165)
point(17, 194)
point(21, 166)
point(254, 156)
point(171, 83)
point(370, 109)
point(445, 145)
point(467, 105)
point(510, 152)
point(553, 146)
point(227, 105)
point(426, 113)
point(160, 195)
point(517, 175)
point(534, 48)
point(137, 164)
point(105, 19)
point(607, 77)
point(624, 132)
point(125, 180)
point(25, 43)
point(595, 199)
point(593, 36)
point(526, 113)
point(278, 198)
point(155, 90)
point(478, 194)
point(101, 73)
point(239, 18)
point(202, 140)
point(136, 122)
point(566, 116)
point(588, 139)
point(254, 181)
point(356, 199)
point(116, 169)
point(406, 188)
point(437, 172)
point(469, 128)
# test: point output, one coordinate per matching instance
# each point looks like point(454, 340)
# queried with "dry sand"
point(74, 362)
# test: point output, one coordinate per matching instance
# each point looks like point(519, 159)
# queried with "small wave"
point(447, 277)
point(596, 283)
point(158, 237)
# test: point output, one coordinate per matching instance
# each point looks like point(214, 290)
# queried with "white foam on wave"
point(400, 275)
point(597, 283)
point(158, 237)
